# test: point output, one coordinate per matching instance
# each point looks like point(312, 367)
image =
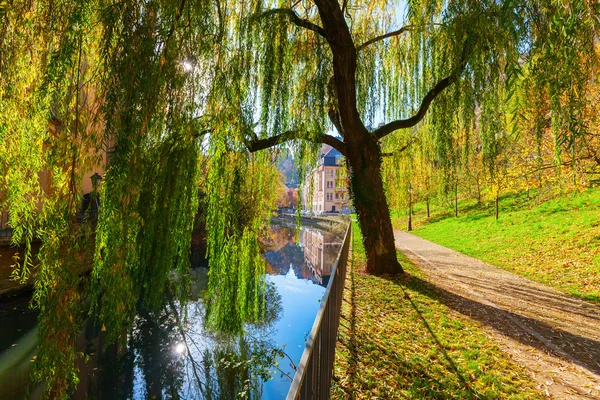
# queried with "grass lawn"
point(398, 340)
point(556, 242)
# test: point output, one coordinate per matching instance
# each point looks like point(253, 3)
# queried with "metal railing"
point(315, 370)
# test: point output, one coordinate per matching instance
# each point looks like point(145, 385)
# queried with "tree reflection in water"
point(170, 355)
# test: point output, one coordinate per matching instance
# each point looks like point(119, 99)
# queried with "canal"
point(171, 357)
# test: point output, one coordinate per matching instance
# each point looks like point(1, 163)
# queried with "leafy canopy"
point(177, 91)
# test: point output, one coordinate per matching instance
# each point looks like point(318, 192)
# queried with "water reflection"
point(320, 252)
point(310, 252)
point(170, 355)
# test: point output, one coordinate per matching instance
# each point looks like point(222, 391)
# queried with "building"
point(91, 177)
point(326, 187)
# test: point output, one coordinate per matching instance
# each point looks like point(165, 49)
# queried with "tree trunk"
point(496, 206)
point(372, 209)
point(456, 199)
point(410, 213)
point(363, 156)
point(427, 198)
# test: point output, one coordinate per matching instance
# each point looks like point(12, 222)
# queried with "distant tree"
point(288, 197)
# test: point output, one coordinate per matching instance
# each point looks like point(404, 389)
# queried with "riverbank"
point(397, 339)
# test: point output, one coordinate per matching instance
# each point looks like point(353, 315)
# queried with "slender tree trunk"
point(456, 199)
point(427, 197)
point(372, 209)
point(496, 206)
point(410, 213)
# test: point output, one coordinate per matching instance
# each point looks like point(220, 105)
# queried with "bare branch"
point(295, 19)
point(385, 36)
point(261, 144)
point(432, 94)
point(389, 35)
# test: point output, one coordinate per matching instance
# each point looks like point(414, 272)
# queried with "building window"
point(329, 184)
point(337, 196)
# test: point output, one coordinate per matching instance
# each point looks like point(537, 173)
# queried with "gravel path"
point(555, 336)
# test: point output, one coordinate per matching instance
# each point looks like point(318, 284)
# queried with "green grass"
point(556, 242)
point(399, 340)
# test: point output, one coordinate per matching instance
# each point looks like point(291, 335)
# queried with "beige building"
point(326, 189)
point(94, 172)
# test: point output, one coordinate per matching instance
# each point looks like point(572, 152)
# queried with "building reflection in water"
point(320, 251)
point(311, 256)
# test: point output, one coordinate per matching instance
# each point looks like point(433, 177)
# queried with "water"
point(164, 359)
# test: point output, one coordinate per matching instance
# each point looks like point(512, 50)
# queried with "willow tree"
point(352, 62)
point(162, 84)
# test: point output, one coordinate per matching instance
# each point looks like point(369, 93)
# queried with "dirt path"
point(555, 336)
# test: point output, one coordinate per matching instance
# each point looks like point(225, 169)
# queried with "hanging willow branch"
point(439, 87)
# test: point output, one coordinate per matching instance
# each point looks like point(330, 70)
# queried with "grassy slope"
point(398, 340)
point(556, 242)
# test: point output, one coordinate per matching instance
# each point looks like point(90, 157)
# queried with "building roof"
point(333, 153)
point(330, 158)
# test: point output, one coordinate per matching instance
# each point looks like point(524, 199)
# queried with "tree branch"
point(432, 94)
point(345, 6)
point(389, 35)
point(261, 144)
point(401, 149)
point(295, 19)
point(385, 36)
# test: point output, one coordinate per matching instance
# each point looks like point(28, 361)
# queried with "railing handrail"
point(301, 370)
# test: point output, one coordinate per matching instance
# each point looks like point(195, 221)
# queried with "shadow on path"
point(395, 341)
point(583, 351)
point(561, 331)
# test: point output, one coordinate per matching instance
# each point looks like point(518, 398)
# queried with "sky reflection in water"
point(161, 363)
